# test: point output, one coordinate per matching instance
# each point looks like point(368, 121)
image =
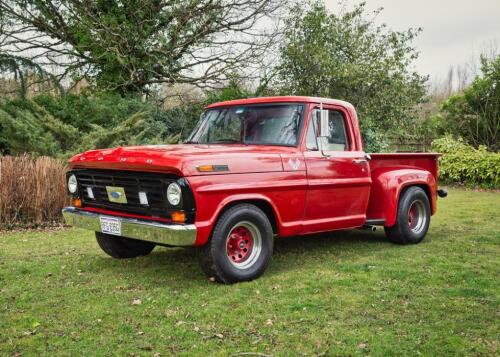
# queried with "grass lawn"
point(346, 293)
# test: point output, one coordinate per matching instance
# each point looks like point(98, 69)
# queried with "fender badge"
point(294, 163)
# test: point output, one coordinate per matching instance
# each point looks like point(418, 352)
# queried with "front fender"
point(283, 192)
point(205, 227)
point(387, 186)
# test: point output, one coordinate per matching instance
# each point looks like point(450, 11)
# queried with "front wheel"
point(413, 217)
point(240, 247)
point(121, 247)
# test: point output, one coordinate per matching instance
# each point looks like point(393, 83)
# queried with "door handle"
point(359, 161)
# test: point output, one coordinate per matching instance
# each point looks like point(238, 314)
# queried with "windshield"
point(277, 124)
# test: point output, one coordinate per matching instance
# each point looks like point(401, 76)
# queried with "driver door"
point(338, 176)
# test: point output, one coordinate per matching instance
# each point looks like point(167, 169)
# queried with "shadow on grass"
point(330, 240)
point(291, 253)
point(295, 253)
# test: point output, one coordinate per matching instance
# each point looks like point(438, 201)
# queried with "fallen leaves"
point(362, 346)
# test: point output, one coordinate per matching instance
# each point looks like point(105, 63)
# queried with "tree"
point(19, 72)
point(131, 45)
point(348, 56)
point(475, 114)
point(25, 74)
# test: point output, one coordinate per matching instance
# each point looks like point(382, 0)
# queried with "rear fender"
point(387, 186)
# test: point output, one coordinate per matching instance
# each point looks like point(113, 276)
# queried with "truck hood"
point(184, 159)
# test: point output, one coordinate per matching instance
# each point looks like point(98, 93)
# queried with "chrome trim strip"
point(155, 232)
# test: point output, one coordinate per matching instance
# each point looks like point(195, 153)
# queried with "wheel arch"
point(388, 186)
point(424, 186)
point(260, 201)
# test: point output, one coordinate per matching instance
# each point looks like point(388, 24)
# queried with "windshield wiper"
point(190, 142)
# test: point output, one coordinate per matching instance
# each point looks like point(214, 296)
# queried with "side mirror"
point(324, 130)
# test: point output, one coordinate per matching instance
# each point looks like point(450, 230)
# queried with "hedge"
point(465, 165)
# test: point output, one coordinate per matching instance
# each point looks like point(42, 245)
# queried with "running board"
point(374, 222)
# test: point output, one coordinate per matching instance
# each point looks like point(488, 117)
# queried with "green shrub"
point(475, 114)
point(61, 126)
point(464, 164)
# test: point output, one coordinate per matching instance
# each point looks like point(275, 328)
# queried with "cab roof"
point(282, 99)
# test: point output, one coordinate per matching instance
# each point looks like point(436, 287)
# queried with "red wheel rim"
point(417, 218)
point(413, 216)
point(239, 244)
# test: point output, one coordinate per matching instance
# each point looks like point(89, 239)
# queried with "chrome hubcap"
point(417, 218)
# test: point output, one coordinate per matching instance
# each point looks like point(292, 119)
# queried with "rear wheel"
point(413, 217)
point(121, 247)
point(241, 245)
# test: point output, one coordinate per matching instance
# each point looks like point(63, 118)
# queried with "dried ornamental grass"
point(32, 190)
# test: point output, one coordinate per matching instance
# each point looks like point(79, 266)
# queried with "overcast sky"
point(454, 31)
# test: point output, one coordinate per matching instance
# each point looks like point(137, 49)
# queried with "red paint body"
point(319, 194)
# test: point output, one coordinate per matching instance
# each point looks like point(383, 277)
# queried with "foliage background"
point(474, 114)
point(466, 165)
point(350, 57)
point(62, 126)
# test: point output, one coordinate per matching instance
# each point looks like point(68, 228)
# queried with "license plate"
point(111, 226)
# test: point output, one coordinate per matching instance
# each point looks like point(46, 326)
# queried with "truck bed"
point(388, 171)
point(425, 160)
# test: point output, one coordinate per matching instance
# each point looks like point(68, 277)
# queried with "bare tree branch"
point(130, 45)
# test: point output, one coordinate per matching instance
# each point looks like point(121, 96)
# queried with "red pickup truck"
point(252, 170)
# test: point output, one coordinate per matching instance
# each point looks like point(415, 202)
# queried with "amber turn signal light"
point(212, 168)
point(76, 202)
point(205, 168)
point(178, 217)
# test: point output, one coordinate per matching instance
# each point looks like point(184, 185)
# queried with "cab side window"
point(311, 142)
point(337, 136)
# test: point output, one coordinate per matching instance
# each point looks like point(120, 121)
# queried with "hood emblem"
point(116, 194)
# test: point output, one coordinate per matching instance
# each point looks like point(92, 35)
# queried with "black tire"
point(121, 247)
point(233, 227)
point(411, 226)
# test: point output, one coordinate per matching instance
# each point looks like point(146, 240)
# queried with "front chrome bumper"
point(155, 232)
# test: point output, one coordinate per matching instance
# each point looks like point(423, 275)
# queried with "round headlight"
point(174, 194)
point(72, 184)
